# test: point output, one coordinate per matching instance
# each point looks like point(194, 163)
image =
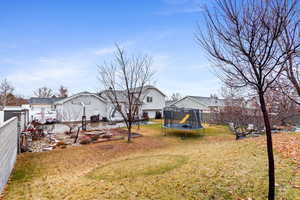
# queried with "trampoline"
point(181, 119)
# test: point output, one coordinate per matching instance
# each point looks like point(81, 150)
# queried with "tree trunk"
point(129, 133)
point(271, 195)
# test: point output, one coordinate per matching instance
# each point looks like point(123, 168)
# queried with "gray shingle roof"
point(122, 94)
point(209, 101)
point(49, 101)
point(170, 102)
point(63, 100)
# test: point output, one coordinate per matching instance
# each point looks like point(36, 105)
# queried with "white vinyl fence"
point(8, 149)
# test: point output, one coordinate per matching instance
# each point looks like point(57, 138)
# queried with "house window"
point(149, 99)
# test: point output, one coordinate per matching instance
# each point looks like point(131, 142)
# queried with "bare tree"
point(43, 92)
point(63, 92)
point(239, 112)
point(15, 100)
point(242, 38)
point(124, 79)
point(281, 108)
point(175, 96)
point(6, 89)
point(289, 82)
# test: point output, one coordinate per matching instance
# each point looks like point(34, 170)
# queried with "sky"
point(61, 42)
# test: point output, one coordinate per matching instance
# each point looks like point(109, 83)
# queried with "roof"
point(207, 101)
point(146, 87)
point(37, 100)
point(122, 96)
point(170, 102)
point(79, 94)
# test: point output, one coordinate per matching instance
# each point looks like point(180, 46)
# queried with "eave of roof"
point(193, 99)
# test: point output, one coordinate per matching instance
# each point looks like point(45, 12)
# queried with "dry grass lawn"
point(209, 164)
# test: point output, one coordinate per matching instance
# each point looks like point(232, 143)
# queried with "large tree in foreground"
point(242, 39)
point(124, 79)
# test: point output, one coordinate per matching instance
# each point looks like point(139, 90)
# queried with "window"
point(149, 99)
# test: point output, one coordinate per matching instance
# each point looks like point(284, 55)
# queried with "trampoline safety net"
point(182, 118)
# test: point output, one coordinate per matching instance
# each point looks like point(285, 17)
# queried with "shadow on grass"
point(186, 135)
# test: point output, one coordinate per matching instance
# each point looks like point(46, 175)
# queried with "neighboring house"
point(8, 112)
point(112, 113)
point(152, 102)
point(204, 104)
point(170, 102)
point(42, 108)
point(72, 108)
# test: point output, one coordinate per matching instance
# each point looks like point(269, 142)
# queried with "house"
point(8, 112)
point(152, 101)
point(74, 107)
point(112, 113)
point(42, 108)
point(170, 102)
point(205, 104)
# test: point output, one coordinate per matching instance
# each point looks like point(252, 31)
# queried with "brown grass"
point(209, 164)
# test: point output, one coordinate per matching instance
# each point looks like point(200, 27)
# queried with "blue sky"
point(60, 42)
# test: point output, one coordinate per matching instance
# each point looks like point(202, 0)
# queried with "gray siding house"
point(204, 104)
point(72, 108)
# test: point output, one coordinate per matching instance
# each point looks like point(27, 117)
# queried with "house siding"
point(72, 110)
point(157, 104)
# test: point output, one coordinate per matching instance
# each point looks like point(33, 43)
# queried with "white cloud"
point(104, 51)
point(78, 70)
point(75, 73)
point(191, 87)
point(109, 50)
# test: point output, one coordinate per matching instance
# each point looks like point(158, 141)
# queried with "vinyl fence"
point(8, 149)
